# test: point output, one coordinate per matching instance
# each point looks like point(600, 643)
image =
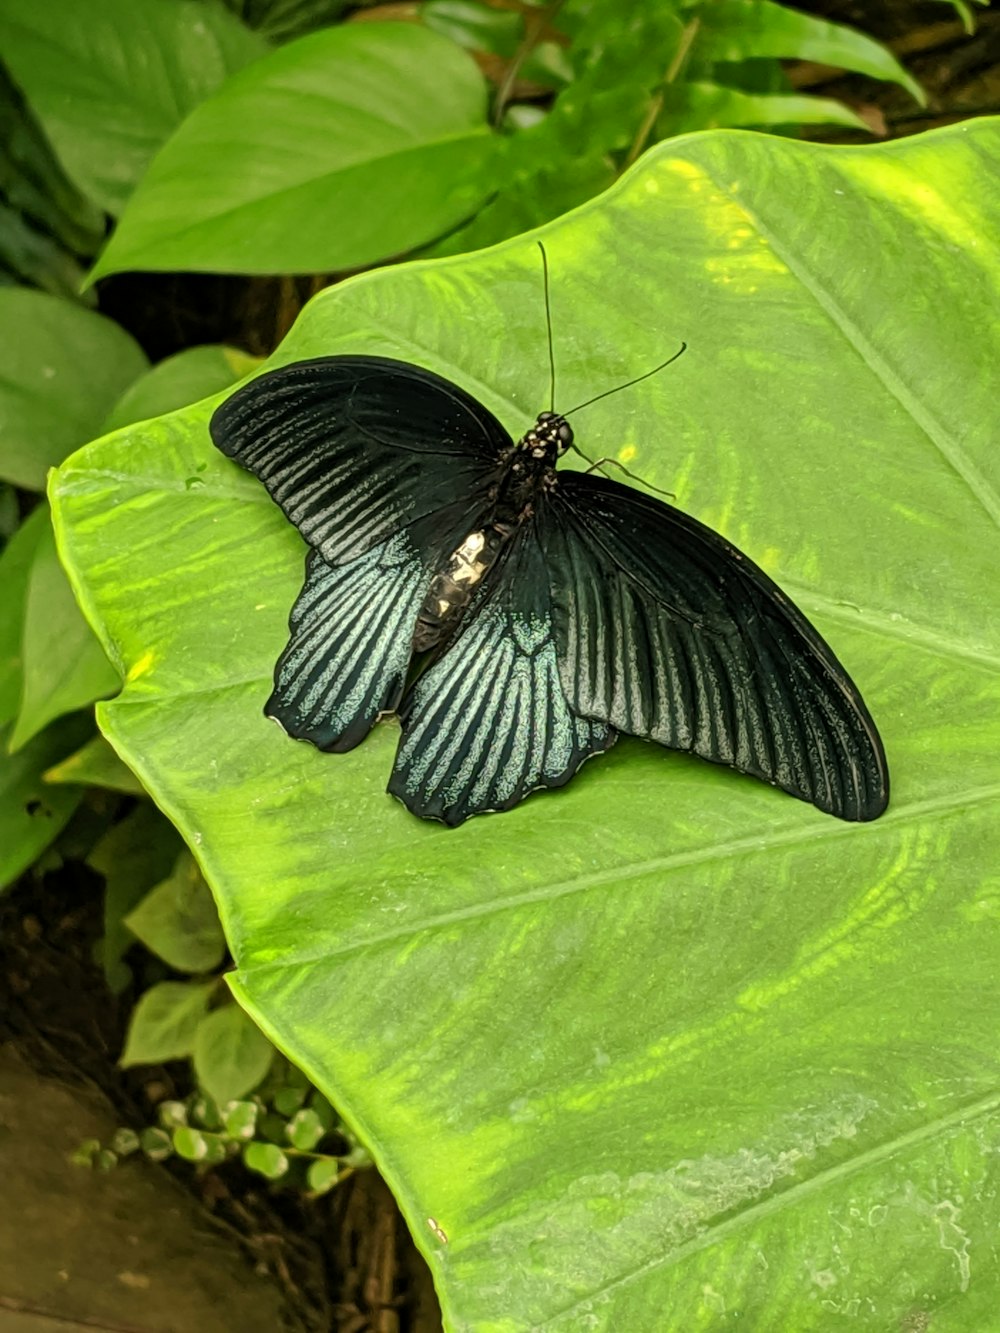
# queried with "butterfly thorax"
point(526, 472)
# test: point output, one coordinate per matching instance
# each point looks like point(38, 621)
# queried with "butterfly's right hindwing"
point(488, 723)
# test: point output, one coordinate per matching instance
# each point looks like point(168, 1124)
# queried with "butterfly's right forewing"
point(666, 631)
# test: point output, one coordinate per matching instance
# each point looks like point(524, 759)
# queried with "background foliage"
point(127, 113)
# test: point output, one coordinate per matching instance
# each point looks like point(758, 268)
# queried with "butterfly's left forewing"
point(356, 448)
point(489, 721)
point(665, 630)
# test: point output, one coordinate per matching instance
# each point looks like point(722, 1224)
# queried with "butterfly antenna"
point(548, 326)
point(618, 388)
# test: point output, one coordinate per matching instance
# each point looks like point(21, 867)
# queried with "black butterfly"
point(518, 618)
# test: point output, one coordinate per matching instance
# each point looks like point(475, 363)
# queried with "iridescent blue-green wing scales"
point(488, 722)
point(347, 657)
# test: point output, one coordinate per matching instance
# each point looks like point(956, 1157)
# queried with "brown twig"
point(656, 101)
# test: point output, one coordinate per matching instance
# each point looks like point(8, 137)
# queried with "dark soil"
point(345, 1262)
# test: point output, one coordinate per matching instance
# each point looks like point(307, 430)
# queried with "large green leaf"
point(111, 79)
point(61, 370)
point(63, 667)
point(372, 140)
point(666, 1049)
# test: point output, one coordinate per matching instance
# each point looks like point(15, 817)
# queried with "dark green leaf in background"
point(368, 139)
point(231, 1054)
point(61, 370)
point(46, 225)
point(110, 80)
point(280, 20)
point(667, 1040)
point(16, 563)
point(195, 373)
point(694, 105)
point(132, 856)
point(96, 765)
point(737, 30)
point(32, 813)
point(165, 1022)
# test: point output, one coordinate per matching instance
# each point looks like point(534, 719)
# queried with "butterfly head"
point(550, 436)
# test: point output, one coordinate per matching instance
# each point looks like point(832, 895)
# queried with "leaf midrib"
point(916, 812)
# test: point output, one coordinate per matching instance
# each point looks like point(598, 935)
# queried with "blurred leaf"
point(184, 378)
point(376, 143)
point(266, 1158)
point(701, 106)
point(281, 20)
point(28, 256)
point(124, 1142)
point(734, 30)
point(177, 920)
point(240, 1119)
point(964, 12)
point(195, 1146)
point(96, 765)
point(133, 856)
point(477, 27)
point(165, 1022)
point(59, 377)
point(666, 1040)
point(15, 569)
point(205, 1111)
point(63, 665)
point(32, 814)
point(157, 1144)
point(323, 1174)
point(305, 1129)
point(112, 79)
point(288, 1100)
point(231, 1054)
point(172, 1114)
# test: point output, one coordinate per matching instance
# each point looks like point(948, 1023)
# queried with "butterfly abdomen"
point(524, 475)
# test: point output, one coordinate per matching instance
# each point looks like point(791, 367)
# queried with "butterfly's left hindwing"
point(384, 468)
point(488, 722)
point(666, 631)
